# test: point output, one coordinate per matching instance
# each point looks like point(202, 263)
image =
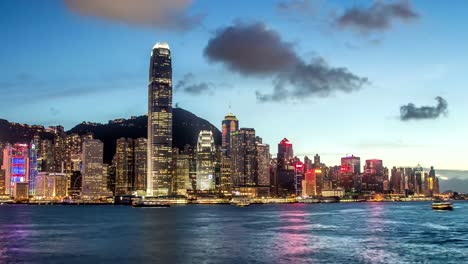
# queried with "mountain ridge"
point(185, 127)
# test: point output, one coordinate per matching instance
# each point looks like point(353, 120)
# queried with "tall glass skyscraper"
point(160, 122)
point(205, 161)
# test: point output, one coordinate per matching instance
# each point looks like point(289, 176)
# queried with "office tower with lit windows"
point(51, 185)
point(124, 166)
point(351, 164)
point(94, 183)
point(181, 173)
point(373, 178)
point(16, 167)
point(418, 180)
point(243, 158)
point(225, 181)
point(2, 181)
point(159, 178)
point(298, 177)
point(59, 149)
point(229, 125)
point(262, 163)
point(206, 158)
point(309, 184)
point(46, 156)
point(285, 171)
point(33, 168)
point(141, 163)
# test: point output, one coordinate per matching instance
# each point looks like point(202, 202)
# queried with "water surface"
point(290, 233)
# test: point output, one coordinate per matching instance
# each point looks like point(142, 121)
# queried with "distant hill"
point(185, 127)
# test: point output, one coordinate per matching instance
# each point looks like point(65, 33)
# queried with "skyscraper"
point(229, 125)
point(263, 163)
point(160, 122)
point(124, 166)
point(140, 152)
point(351, 164)
point(94, 184)
point(16, 167)
point(243, 158)
point(205, 161)
point(285, 169)
point(33, 168)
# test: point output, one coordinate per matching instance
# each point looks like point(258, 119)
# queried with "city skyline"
point(315, 124)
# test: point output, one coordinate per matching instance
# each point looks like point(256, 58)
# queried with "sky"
point(377, 79)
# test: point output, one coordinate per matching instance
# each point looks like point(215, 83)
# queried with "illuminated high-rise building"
point(124, 166)
point(59, 149)
point(16, 167)
point(141, 163)
point(46, 156)
point(206, 159)
point(285, 171)
point(181, 173)
point(33, 167)
point(229, 125)
point(309, 183)
point(418, 180)
point(159, 178)
point(94, 183)
point(263, 163)
point(51, 185)
point(351, 164)
point(243, 158)
point(225, 181)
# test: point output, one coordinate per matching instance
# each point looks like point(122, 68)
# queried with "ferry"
point(243, 202)
point(330, 200)
point(442, 205)
point(155, 204)
point(310, 200)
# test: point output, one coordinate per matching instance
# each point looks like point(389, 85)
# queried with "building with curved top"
point(229, 125)
point(159, 174)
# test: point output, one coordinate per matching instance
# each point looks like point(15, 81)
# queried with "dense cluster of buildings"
point(71, 165)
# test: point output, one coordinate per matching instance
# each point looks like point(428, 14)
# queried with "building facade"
point(206, 159)
point(159, 178)
point(229, 125)
point(94, 183)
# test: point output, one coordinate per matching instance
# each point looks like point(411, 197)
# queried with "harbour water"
point(287, 233)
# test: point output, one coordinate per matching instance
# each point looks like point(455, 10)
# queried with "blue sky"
point(61, 66)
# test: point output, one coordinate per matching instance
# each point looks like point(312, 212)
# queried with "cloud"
point(255, 50)
point(189, 86)
point(163, 14)
point(296, 6)
point(378, 17)
point(410, 111)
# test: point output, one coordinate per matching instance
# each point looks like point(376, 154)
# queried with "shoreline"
point(203, 203)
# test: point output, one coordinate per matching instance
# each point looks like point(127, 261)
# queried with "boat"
point(243, 202)
point(442, 205)
point(148, 204)
point(311, 200)
point(330, 200)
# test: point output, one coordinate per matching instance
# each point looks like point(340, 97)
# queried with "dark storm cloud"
point(189, 86)
point(379, 16)
point(255, 50)
point(164, 14)
point(410, 111)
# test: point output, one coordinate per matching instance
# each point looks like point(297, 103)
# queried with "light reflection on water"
point(295, 233)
